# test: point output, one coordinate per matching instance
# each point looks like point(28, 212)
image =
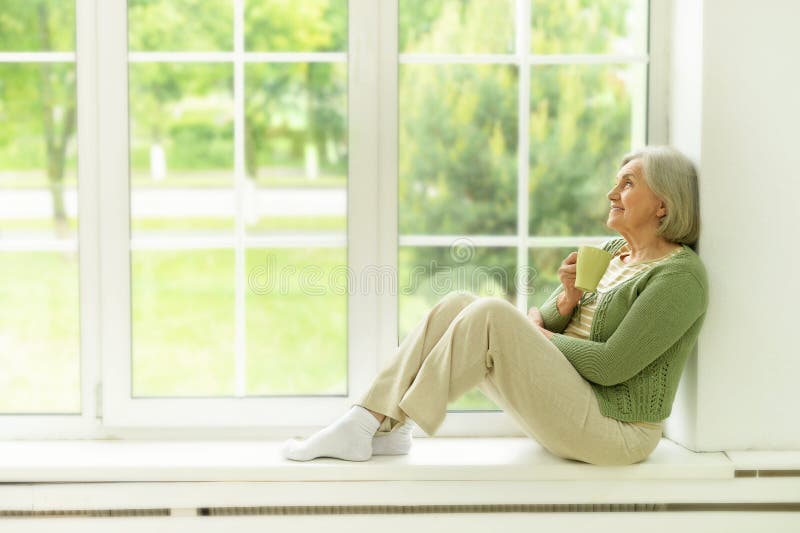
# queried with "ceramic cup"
point(592, 264)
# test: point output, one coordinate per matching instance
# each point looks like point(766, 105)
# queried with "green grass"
point(183, 328)
point(39, 333)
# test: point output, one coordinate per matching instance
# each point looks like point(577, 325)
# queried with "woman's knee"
point(490, 304)
point(459, 299)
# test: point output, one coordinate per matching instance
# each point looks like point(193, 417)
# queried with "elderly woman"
point(589, 376)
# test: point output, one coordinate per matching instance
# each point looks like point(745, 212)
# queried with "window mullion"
point(114, 210)
point(523, 17)
point(240, 341)
point(659, 17)
point(388, 112)
point(363, 209)
point(86, 75)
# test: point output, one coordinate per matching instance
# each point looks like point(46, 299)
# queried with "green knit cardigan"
point(643, 331)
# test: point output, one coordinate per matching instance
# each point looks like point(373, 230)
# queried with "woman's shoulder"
point(685, 261)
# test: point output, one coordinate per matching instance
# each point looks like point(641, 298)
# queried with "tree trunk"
point(55, 145)
point(251, 147)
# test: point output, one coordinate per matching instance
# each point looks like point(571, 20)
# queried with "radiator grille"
point(419, 509)
point(506, 508)
point(86, 512)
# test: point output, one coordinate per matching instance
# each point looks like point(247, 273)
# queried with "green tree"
point(303, 103)
point(157, 88)
point(40, 100)
point(458, 126)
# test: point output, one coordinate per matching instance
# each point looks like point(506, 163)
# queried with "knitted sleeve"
point(553, 320)
point(661, 314)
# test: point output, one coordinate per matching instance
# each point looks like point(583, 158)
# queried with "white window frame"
point(285, 413)
point(85, 424)
point(372, 229)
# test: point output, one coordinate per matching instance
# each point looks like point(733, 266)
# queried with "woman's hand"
point(546, 332)
point(567, 273)
point(536, 316)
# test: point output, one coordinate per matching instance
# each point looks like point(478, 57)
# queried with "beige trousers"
point(466, 341)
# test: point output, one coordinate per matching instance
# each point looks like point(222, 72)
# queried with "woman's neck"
point(647, 252)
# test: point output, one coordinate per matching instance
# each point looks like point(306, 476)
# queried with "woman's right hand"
point(567, 273)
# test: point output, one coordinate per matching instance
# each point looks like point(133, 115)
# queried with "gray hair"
point(673, 178)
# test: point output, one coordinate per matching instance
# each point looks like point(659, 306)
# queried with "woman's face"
point(640, 207)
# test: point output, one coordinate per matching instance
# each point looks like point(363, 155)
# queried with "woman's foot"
point(348, 438)
point(398, 442)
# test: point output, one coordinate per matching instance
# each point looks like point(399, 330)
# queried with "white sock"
point(398, 442)
point(349, 438)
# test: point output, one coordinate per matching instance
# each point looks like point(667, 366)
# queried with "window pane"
point(296, 26)
point(39, 332)
point(583, 118)
point(428, 274)
point(187, 206)
point(182, 195)
point(589, 27)
point(457, 26)
point(180, 25)
point(296, 148)
point(297, 321)
point(38, 179)
point(39, 295)
point(546, 262)
point(458, 139)
point(181, 148)
point(183, 322)
point(42, 26)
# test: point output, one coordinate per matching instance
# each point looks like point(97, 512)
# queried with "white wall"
point(735, 109)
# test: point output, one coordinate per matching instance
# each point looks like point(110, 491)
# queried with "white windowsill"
point(184, 475)
point(444, 459)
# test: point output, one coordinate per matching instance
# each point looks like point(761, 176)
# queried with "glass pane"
point(296, 26)
point(458, 139)
point(180, 25)
point(546, 262)
point(38, 156)
point(42, 26)
point(181, 148)
point(39, 332)
point(296, 148)
point(589, 27)
point(183, 323)
point(457, 26)
point(296, 321)
point(39, 295)
point(428, 274)
point(583, 120)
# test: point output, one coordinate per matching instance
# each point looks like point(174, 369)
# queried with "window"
point(238, 149)
point(274, 193)
point(512, 117)
point(39, 291)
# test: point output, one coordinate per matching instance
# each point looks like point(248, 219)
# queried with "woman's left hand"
point(546, 332)
point(536, 316)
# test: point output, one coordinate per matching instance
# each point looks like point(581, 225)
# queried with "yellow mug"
point(592, 264)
